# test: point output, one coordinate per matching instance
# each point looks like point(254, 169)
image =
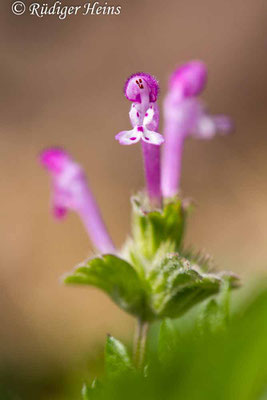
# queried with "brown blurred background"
point(61, 83)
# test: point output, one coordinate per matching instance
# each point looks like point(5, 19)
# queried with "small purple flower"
point(70, 191)
point(142, 90)
point(185, 115)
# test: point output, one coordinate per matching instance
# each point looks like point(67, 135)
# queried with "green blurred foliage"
point(186, 360)
point(117, 359)
point(205, 364)
point(50, 380)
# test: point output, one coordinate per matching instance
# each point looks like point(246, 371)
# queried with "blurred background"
point(61, 84)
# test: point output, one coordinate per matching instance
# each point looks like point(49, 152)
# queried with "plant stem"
point(140, 343)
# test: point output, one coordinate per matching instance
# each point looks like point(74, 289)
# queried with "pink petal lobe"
point(127, 138)
point(153, 137)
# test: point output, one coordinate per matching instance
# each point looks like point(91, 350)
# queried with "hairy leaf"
point(114, 276)
point(177, 286)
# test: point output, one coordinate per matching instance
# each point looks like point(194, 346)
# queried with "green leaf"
point(136, 259)
point(215, 314)
point(211, 318)
point(177, 286)
point(152, 228)
point(89, 392)
point(168, 339)
point(117, 360)
point(115, 277)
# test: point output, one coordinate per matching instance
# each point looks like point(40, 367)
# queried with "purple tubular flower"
point(151, 155)
point(70, 191)
point(186, 115)
point(189, 80)
point(142, 90)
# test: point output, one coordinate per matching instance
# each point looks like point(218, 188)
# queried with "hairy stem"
point(140, 343)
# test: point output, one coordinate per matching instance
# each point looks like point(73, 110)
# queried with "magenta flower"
point(70, 191)
point(185, 115)
point(142, 90)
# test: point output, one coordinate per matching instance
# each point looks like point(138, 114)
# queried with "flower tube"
point(70, 191)
point(185, 115)
point(142, 90)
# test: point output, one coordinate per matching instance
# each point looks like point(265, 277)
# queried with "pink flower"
point(70, 191)
point(142, 90)
point(185, 115)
